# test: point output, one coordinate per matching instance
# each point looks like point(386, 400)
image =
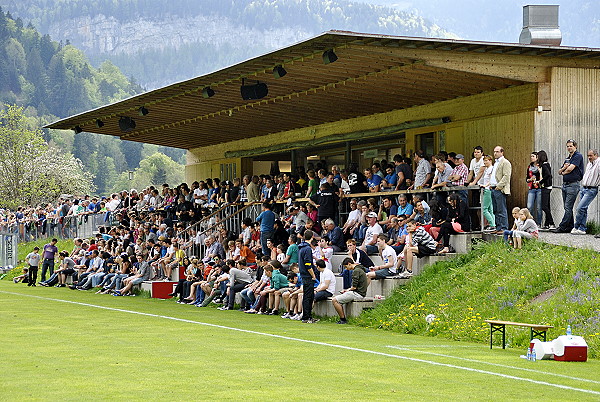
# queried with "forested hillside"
point(163, 41)
point(51, 80)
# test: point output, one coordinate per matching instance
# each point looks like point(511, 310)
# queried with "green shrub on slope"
point(541, 284)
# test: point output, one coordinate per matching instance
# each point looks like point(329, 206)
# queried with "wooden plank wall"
point(514, 132)
point(574, 114)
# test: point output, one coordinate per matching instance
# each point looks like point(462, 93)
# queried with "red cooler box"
point(570, 348)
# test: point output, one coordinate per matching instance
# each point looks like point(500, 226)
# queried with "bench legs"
point(502, 329)
point(541, 334)
point(498, 328)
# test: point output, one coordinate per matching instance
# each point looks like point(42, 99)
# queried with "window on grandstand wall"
point(426, 142)
point(441, 137)
point(228, 171)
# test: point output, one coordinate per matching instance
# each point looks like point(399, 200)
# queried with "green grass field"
point(62, 344)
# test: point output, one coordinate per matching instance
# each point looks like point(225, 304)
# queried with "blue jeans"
point(569, 195)
point(499, 204)
point(248, 295)
point(264, 236)
point(586, 196)
point(534, 199)
point(47, 264)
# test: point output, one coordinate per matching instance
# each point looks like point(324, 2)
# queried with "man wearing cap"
point(369, 245)
point(459, 176)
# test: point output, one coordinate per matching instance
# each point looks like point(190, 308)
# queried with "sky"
point(502, 20)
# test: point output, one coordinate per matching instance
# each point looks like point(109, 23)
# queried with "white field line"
point(332, 345)
point(410, 349)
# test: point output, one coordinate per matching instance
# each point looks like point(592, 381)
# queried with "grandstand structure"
point(345, 96)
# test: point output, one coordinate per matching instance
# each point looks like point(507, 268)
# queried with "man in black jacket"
point(307, 273)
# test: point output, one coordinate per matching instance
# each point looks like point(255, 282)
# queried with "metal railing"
point(67, 227)
point(228, 217)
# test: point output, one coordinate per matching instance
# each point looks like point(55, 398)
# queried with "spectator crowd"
point(283, 256)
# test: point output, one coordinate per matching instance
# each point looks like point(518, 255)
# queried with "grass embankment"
point(25, 248)
point(497, 282)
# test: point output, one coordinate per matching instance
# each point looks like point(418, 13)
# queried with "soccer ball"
point(430, 318)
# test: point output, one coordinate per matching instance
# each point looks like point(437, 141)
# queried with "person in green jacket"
point(279, 284)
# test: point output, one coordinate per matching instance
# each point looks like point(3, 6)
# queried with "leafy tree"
point(31, 171)
point(154, 170)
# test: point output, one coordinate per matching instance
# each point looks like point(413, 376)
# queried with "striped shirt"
point(420, 236)
point(591, 177)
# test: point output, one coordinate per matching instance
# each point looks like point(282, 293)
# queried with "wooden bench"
point(537, 330)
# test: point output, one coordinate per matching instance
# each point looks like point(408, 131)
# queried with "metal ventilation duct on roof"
point(540, 26)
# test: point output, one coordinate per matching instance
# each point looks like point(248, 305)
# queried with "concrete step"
point(325, 308)
point(419, 264)
point(463, 242)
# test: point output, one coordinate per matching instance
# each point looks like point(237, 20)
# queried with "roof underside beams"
point(369, 77)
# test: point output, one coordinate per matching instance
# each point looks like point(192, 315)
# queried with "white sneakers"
point(577, 232)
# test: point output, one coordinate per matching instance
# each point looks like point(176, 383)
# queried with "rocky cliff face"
point(104, 34)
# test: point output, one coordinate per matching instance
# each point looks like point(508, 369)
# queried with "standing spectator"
point(500, 185)
point(356, 180)
point(476, 167)
point(326, 202)
point(312, 184)
point(572, 173)
point(422, 172)
point(484, 183)
point(252, 189)
point(390, 181)
point(307, 273)
point(376, 168)
point(546, 185)
point(534, 195)
point(403, 172)
point(267, 226)
point(459, 176)
point(373, 181)
point(589, 190)
point(33, 259)
point(50, 251)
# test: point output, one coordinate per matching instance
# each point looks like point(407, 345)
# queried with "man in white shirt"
point(423, 171)
point(389, 257)
point(588, 191)
point(113, 204)
point(475, 167)
point(327, 281)
point(369, 245)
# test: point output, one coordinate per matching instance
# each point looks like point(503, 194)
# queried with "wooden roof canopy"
point(373, 74)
